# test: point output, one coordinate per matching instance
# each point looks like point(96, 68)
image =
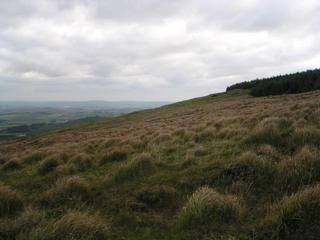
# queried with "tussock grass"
point(296, 216)
point(269, 152)
point(20, 227)
point(73, 225)
point(33, 158)
point(11, 165)
point(64, 169)
point(314, 117)
point(199, 127)
point(92, 147)
point(138, 167)
point(29, 219)
point(250, 168)
point(188, 162)
point(163, 137)
point(299, 170)
point(81, 162)
point(118, 154)
point(181, 132)
point(110, 142)
point(300, 123)
point(68, 192)
point(207, 208)
point(303, 136)
point(157, 196)
point(189, 136)
point(206, 135)
point(11, 202)
point(252, 152)
point(273, 130)
point(234, 131)
point(197, 151)
point(2, 160)
point(48, 165)
point(138, 144)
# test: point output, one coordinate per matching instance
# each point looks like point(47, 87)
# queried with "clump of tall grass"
point(314, 117)
point(199, 127)
point(189, 136)
point(69, 191)
point(301, 169)
point(11, 202)
point(19, 227)
point(117, 154)
point(188, 162)
point(73, 225)
point(273, 130)
point(64, 169)
point(219, 124)
point(162, 138)
point(197, 151)
point(138, 144)
point(300, 123)
point(48, 165)
point(110, 142)
point(157, 196)
point(138, 167)
point(269, 152)
point(206, 135)
point(232, 132)
point(92, 147)
point(295, 217)
point(81, 162)
point(11, 165)
point(33, 158)
point(250, 168)
point(29, 219)
point(180, 132)
point(303, 136)
point(207, 208)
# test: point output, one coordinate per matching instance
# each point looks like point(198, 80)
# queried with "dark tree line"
point(283, 84)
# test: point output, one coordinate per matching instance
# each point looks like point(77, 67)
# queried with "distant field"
point(18, 119)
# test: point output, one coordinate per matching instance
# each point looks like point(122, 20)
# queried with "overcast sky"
point(150, 49)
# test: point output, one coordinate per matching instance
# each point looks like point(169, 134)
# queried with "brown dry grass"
point(255, 149)
point(303, 168)
point(180, 117)
point(11, 202)
point(206, 207)
point(69, 191)
point(295, 217)
point(73, 225)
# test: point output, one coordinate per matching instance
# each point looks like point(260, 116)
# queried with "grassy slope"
point(138, 171)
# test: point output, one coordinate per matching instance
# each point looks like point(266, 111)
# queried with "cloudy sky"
point(150, 49)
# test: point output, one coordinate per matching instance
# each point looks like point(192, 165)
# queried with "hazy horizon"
point(149, 50)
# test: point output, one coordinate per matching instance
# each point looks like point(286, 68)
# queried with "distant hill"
point(23, 119)
point(283, 84)
point(32, 106)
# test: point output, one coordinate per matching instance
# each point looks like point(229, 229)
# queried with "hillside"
point(225, 166)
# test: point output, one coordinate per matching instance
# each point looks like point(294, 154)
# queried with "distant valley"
point(22, 119)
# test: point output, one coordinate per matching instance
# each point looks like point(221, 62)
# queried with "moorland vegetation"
point(225, 166)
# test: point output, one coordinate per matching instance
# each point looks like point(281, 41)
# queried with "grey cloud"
point(135, 11)
point(149, 50)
